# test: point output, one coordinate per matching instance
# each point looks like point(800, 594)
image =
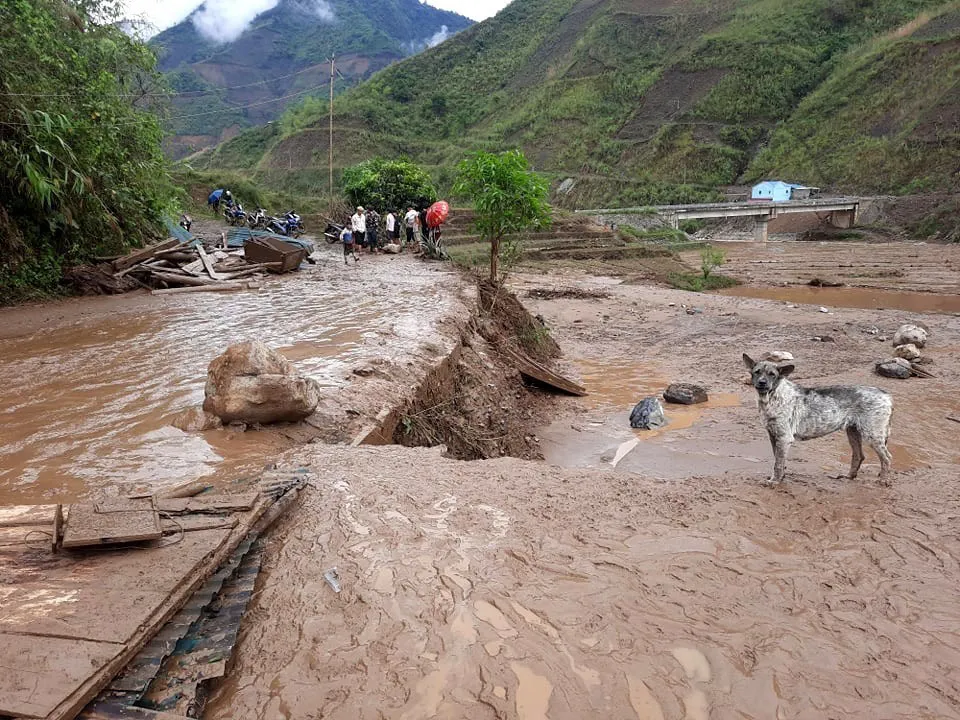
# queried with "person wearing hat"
point(359, 225)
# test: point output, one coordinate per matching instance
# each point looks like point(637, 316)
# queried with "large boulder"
point(648, 415)
point(685, 394)
point(250, 383)
point(910, 335)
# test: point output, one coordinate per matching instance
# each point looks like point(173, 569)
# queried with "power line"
point(200, 114)
point(165, 94)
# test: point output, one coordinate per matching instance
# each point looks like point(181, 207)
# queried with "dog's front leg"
point(781, 446)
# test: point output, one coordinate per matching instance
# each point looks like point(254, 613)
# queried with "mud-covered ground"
point(652, 577)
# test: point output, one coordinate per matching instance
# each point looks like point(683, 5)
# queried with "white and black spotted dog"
point(790, 412)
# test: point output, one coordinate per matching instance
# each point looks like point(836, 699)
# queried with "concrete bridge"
point(839, 212)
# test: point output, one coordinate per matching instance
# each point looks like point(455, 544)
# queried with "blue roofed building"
point(779, 191)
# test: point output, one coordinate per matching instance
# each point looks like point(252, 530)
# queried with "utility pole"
point(332, 58)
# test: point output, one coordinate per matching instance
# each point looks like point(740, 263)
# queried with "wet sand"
point(505, 589)
point(92, 391)
point(674, 585)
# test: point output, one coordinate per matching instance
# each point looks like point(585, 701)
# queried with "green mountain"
point(229, 75)
point(634, 99)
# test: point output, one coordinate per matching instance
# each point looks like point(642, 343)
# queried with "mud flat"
point(92, 385)
point(506, 589)
point(889, 266)
point(656, 580)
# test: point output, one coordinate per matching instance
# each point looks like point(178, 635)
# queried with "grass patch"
point(696, 282)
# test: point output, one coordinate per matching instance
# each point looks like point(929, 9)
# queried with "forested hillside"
point(81, 169)
point(229, 78)
point(635, 98)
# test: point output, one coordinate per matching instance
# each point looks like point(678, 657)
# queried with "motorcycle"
point(257, 220)
point(289, 225)
point(235, 215)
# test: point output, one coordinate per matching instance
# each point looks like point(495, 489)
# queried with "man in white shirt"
point(391, 226)
point(410, 220)
point(359, 225)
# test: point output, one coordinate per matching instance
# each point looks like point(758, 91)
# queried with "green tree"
point(388, 184)
point(507, 197)
point(81, 169)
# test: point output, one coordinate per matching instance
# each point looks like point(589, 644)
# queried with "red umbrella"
point(437, 214)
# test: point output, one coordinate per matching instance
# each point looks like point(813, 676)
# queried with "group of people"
point(363, 231)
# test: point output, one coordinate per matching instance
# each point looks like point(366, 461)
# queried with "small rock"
point(881, 338)
point(196, 419)
point(685, 394)
point(648, 414)
point(694, 311)
point(777, 356)
point(894, 368)
point(907, 352)
point(871, 331)
point(824, 310)
point(363, 371)
point(910, 334)
point(823, 338)
point(671, 304)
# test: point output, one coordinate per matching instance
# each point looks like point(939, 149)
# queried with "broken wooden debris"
point(187, 489)
point(207, 503)
point(146, 253)
point(111, 522)
point(219, 287)
point(194, 522)
point(533, 370)
point(20, 515)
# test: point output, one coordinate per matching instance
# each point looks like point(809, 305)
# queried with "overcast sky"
point(164, 13)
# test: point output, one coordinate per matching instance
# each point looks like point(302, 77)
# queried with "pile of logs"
point(175, 267)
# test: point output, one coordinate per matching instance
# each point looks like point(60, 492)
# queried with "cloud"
point(320, 8)
point(439, 36)
point(412, 47)
point(225, 20)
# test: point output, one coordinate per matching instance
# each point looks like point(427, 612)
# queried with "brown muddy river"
point(89, 397)
point(853, 297)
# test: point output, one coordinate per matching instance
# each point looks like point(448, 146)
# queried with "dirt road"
point(654, 577)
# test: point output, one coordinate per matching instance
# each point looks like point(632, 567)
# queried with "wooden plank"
point(207, 263)
point(111, 522)
point(192, 523)
point(38, 673)
point(219, 287)
point(126, 712)
point(535, 371)
point(187, 489)
point(208, 503)
point(194, 268)
point(26, 537)
point(183, 279)
point(138, 256)
point(17, 515)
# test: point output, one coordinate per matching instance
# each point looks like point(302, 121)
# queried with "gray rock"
point(894, 368)
point(648, 415)
point(910, 334)
point(685, 394)
point(250, 383)
point(907, 352)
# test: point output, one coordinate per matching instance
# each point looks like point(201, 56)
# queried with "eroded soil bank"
point(673, 585)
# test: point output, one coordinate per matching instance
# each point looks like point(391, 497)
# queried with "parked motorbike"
point(235, 215)
point(257, 220)
point(289, 225)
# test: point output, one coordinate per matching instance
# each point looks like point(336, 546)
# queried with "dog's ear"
point(748, 362)
point(785, 370)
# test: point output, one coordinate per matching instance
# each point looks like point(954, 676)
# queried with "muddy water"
point(603, 437)
point(852, 297)
point(87, 404)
